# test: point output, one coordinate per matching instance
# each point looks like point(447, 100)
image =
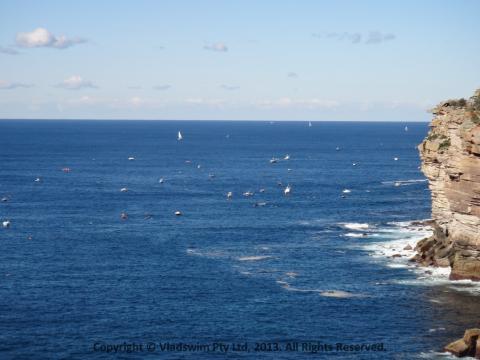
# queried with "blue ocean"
point(95, 263)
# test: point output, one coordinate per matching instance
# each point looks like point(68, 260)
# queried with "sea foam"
point(398, 247)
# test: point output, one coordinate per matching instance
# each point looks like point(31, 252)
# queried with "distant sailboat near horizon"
point(179, 136)
point(309, 124)
point(406, 128)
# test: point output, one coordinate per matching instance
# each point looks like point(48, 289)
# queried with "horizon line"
point(233, 120)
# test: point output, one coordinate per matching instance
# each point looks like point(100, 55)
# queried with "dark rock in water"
point(469, 345)
point(396, 256)
point(428, 222)
point(408, 247)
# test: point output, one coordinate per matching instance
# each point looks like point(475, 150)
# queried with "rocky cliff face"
point(451, 161)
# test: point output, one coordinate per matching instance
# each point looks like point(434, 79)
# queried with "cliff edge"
point(451, 161)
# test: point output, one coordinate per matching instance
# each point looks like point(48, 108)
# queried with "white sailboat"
point(179, 136)
point(406, 128)
point(309, 124)
point(287, 190)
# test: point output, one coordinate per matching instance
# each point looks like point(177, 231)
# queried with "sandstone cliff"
point(451, 161)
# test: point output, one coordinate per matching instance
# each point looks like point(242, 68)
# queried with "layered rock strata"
point(451, 161)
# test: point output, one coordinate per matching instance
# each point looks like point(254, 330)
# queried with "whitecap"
point(355, 235)
point(404, 182)
point(355, 226)
point(398, 251)
point(340, 294)
point(254, 258)
point(437, 355)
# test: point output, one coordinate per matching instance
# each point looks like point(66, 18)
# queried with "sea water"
point(265, 276)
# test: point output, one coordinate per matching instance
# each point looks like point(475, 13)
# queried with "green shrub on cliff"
point(444, 145)
point(474, 102)
point(456, 102)
point(475, 117)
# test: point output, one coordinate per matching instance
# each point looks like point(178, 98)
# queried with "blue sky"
point(240, 60)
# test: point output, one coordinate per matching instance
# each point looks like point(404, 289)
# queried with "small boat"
point(178, 213)
point(395, 158)
point(289, 169)
point(273, 160)
point(179, 136)
point(124, 216)
point(309, 124)
point(354, 164)
point(161, 181)
point(347, 191)
point(66, 169)
point(287, 157)
point(258, 204)
point(397, 183)
point(6, 224)
point(406, 128)
point(287, 190)
point(131, 158)
point(248, 193)
point(211, 176)
point(199, 166)
point(262, 190)
point(123, 189)
point(4, 199)
point(38, 180)
point(229, 195)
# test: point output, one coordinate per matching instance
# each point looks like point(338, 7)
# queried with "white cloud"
point(162, 87)
point(136, 101)
point(229, 87)
point(7, 85)
point(205, 102)
point(374, 37)
point(286, 102)
point(218, 46)
point(84, 100)
point(76, 82)
point(41, 37)
point(353, 38)
point(8, 51)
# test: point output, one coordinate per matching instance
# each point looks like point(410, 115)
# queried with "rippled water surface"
point(267, 268)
